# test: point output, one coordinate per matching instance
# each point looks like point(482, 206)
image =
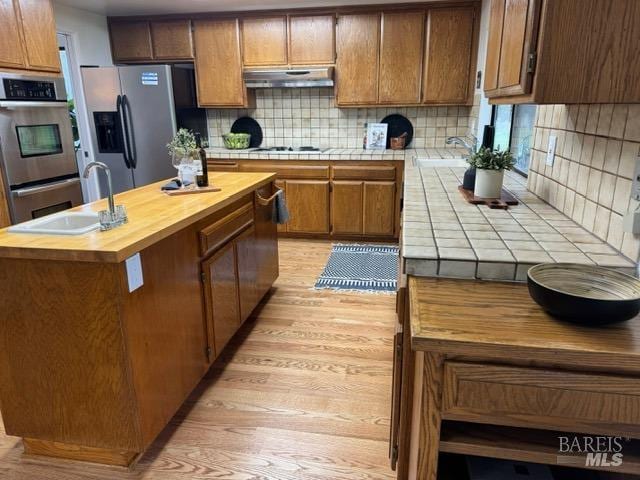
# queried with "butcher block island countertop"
point(153, 215)
point(103, 336)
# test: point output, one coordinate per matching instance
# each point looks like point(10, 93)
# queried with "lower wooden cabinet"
point(347, 207)
point(247, 262)
point(308, 202)
point(379, 208)
point(221, 297)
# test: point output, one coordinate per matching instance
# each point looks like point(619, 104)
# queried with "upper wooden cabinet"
point(398, 58)
point(357, 62)
point(171, 40)
point(264, 41)
point(140, 41)
point(130, 41)
point(563, 51)
point(312, 39)
point(28, 35)
point(450, 56)
point(401, 57)
point(219, 63)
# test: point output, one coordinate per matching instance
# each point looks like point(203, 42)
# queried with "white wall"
point(88, 44)
point(89, 32)
point(484, 115)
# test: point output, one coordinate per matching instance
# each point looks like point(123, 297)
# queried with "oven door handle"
point(31, 104)
point(25, 192)
point(123, 131)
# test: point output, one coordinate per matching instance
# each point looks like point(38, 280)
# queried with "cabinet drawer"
point(530, 397)
point(364, 173)
point(223, 230)
point(288, 171)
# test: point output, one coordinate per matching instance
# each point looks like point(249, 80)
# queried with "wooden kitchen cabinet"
point(308, 202)
point(130, 41)
point(247, 264)
point(264, 41)
point(401, 53)
point(219, 64)
point(347, 207)
point(312, 39)
point(221, 297)
point(450, 56)
point(172, 40)
point(379, 208)
point(11, 55)
point(569, 51)
point(357, 62)
point(28, 36)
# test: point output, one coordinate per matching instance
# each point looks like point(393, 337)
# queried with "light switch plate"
point(134, 272)
point(551, 150)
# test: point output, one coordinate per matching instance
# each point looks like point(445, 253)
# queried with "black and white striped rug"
point(364, 268)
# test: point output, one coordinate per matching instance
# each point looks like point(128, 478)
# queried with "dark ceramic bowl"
point(584, 294)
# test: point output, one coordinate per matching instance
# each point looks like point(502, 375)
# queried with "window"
point(514, 130)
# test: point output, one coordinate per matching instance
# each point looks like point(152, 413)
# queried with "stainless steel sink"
point(440, 162)
point(64, 223)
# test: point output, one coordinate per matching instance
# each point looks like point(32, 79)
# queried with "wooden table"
point(490, 373)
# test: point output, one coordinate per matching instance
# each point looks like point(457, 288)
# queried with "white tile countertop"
point(444, 235)
point(329, 154)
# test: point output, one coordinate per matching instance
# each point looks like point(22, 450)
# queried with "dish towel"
point(280, 211)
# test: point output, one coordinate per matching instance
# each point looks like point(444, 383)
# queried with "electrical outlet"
point(635, 188)
point(551, 150)
point(134, 272)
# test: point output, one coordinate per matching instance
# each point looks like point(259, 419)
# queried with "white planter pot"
point(488, 183)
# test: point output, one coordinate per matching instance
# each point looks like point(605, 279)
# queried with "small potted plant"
point(183, 150)
point(490, 166)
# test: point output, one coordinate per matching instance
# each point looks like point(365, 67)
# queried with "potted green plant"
point(490, 166)
point(183, 151)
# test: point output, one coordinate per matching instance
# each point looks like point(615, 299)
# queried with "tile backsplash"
point(308, 116)
point(590, 180)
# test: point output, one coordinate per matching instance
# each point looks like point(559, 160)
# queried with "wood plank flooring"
point(303, 392)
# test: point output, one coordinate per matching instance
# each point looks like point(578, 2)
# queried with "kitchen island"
point(104, 335)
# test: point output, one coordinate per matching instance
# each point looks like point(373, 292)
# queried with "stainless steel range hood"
point(293, 78)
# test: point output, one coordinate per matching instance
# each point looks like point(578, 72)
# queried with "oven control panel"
point(15, 89)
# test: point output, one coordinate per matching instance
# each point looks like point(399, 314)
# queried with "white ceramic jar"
point(488, 183)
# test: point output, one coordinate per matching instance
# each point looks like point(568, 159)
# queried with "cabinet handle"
point(267, 201)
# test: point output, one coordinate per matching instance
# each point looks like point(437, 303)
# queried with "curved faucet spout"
point(107, 171)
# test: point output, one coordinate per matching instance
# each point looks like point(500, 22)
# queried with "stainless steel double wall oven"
point(36, 147)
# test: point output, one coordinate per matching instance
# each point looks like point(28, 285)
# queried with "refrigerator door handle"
point(123, 130)
point(133, 155)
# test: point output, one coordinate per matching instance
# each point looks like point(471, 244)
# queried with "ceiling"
point(146, 7)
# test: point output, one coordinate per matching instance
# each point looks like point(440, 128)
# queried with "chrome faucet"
point(116, 215)
point(471, 147)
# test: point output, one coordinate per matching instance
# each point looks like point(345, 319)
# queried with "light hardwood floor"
point(303, 392)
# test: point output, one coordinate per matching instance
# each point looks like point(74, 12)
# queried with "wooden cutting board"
point(506, 199)
point(191, 191)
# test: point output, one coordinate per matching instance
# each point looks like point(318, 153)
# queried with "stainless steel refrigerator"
point(131, 110)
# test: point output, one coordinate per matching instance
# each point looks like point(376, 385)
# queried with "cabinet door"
point(10, 46)
point(221, 298)
point(247, 262)
point(172, 40)
point(492, 63)
point(358, 46)
point(379, 208)
point(449, 71)
point(264, 41)
point(401, 57)
point(308, 202)
point(39, 28)
point(518, 42)
point(218, 63)
point(347, 207)
point(312, 39)
point(130, 41)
